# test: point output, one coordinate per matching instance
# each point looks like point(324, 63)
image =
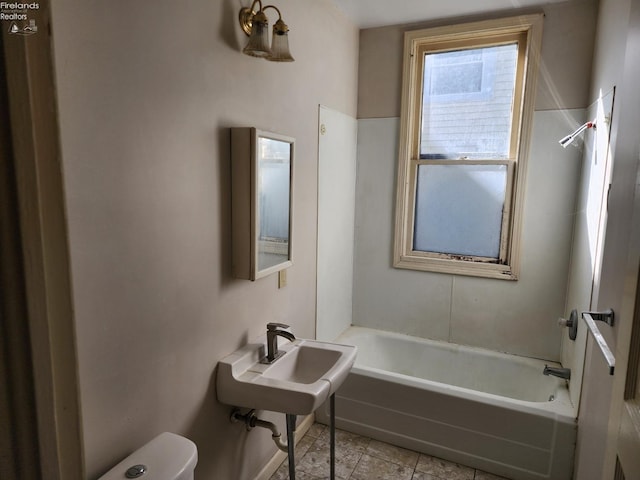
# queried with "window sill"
point(456, 267)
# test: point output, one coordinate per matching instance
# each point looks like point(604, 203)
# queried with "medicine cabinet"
point(261, 208)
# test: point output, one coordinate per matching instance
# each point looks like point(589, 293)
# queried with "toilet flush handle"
point(136, 471)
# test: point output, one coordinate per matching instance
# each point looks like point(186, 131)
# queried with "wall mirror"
point(262, 193)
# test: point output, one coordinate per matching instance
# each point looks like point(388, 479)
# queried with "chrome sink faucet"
point(557, 372)
point(275, 330)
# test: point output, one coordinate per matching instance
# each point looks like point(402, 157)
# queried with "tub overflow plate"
point(136, 471)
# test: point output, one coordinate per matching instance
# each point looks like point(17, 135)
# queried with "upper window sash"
point(422, 49)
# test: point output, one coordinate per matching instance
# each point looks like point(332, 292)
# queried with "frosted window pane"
point(467, 103)
point(459, 209)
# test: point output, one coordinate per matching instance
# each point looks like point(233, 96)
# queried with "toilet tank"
point(166, 457)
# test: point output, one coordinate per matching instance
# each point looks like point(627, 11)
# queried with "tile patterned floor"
point(362, 458)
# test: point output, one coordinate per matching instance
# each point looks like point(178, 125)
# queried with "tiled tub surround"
point(362, 458)
point(476, 407)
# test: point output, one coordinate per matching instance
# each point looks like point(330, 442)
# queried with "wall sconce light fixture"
point(566, 141)
point(256, 26)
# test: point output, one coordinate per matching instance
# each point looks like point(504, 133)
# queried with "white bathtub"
point(480, 408)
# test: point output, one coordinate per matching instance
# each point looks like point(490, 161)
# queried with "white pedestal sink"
point(296, 383)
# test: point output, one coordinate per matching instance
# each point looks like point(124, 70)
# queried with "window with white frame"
point(467, 104)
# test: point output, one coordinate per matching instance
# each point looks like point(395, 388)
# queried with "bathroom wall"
point(588, 232)
point(516, 317)
point(336, 217)
point(147, 91)
point(602, 393)
point(586, 261)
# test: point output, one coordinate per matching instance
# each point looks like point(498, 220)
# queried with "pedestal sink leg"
point(332, 436)
point(291, 429)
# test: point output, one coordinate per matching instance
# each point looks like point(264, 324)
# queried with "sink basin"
point(296, 383)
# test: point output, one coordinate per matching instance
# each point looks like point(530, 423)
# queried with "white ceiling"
point(376, 13)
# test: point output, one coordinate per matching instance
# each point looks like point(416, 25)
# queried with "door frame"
point(42, 222)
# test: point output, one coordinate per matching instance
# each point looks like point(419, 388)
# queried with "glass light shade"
point(280, 43)
point(258, 44)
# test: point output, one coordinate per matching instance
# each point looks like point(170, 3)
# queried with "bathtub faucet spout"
point(557, 372)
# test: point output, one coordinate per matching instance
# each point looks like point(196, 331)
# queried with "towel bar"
point(590, 319)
